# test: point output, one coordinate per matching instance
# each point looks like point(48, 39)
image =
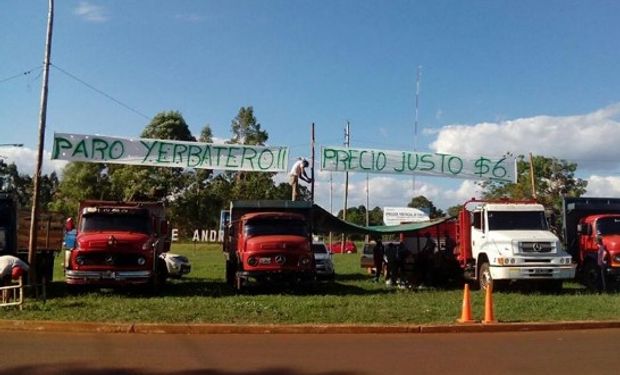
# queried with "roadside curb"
point(157, 328)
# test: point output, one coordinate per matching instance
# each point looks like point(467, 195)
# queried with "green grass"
point(203, 297)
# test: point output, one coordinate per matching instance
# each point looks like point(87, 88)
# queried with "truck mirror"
point(69, 226)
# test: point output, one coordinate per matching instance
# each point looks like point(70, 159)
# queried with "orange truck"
point(592, 236)
point(118, 243)
point(269, 241)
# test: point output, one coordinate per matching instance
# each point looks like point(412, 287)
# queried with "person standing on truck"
point(378, 252)
point(298, 172)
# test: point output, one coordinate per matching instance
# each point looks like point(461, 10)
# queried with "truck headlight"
point(504, 261)
point(252, 261)
point(80, 260)
point(141, 261)
point(304, 261)
point(616, 258)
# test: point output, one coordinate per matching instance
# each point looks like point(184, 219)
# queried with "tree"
point(421, 202)
point(251, 185)
point(246, 129)
point(553, 178)
point(80, 181)
point(22, 185)
point(168, 125)
point(454, 210)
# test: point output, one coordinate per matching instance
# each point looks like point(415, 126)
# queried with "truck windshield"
point(105, 223)
point(517, 220)
point(608, 225)
point(265, 227)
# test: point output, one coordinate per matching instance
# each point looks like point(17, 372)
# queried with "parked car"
point(349, 247)
point(177, 265)
point(323, 261)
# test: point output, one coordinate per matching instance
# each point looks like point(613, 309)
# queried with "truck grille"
point(536, 247)
point(109, 259)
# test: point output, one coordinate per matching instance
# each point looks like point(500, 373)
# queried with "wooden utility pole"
point(532, 177)
point(32, 244)
point(347, 141)
point(367, 205)
point(312, 167)
point(415, 124)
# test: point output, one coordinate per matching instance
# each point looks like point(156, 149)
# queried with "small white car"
point(177, 265)
point(323, 261)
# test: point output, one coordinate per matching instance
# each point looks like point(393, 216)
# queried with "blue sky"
point(496, 76)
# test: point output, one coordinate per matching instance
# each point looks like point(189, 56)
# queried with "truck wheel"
point(231, 270)
point(484, 276)
point(591, 277)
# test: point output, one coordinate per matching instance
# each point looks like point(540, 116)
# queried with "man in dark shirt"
point(377, 256)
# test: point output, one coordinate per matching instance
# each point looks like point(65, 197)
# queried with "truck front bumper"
point(74, 277)
point(277, 275)
point(533, 273)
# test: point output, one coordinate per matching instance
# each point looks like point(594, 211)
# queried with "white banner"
point(401, 215)
point(341, 159)
point(167, 153)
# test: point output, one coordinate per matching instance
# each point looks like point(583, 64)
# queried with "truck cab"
point(503, 241)
point(268, 241)
point(592, 234)
point(118, 243)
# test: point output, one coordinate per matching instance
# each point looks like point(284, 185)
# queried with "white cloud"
point(26, 159)
point(590, 140)
point(603, 186)
point(91, 12)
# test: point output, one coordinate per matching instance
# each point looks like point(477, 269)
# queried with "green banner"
point(167, 153)
point(343, 159)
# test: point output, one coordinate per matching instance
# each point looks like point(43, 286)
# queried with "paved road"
point(546, 352)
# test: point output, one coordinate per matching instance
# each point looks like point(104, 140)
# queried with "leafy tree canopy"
point(246, 130)
point(553, 179)
point(421, 202)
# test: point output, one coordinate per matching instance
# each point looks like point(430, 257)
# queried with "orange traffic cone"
point(488, 306)
point(466, 309)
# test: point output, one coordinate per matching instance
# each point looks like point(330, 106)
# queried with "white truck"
point(503, 241)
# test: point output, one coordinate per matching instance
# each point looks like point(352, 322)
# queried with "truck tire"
point(484, 276)
point(231, 270)
point(591, 277)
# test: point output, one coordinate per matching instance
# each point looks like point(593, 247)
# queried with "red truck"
point(592, 236)
point(118, 243)
point(269, 241)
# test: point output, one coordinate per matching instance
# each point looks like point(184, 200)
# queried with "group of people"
point(428, 267)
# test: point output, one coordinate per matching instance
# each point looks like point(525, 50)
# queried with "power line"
point(20, 74)
point(101, 92)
